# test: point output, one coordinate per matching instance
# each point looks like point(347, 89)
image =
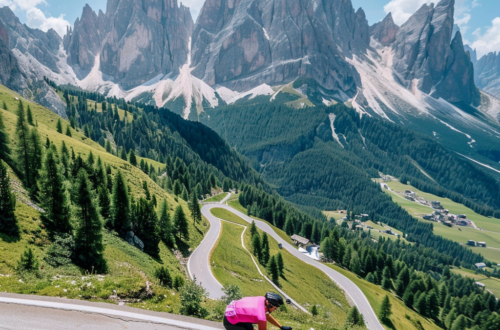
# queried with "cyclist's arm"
point(272, 320)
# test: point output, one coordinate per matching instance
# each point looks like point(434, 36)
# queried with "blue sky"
point(479, 20)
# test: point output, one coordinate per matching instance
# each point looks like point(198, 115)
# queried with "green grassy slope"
point(216, 198)
point(374, 293)
point(304, 283)
point(491, 226)
point(129, 268)
point(487, 223)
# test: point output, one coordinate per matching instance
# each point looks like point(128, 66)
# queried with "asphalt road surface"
point(199, 264)
point(25, 312)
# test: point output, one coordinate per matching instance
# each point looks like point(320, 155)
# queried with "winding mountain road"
point(199, 264)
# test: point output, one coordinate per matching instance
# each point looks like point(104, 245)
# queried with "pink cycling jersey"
point(247, 310)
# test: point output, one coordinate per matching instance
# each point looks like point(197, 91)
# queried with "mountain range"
point(302, 53)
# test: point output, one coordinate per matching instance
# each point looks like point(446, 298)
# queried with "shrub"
point(163, 275)
point(192, 295)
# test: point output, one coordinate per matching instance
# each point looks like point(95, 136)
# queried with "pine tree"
point(194, 207)
point(108, 147)
point(68, 131)
point(163, 276)
point(146, 190)
point(132, 157)
point(123, 154)
point(4, 142)
point(147, 226)
point(28, 262)
point(386, 279)
point(421, 304)
point(281, 264)
point(35, 158)
point(408, 298)
point(314, 310)
point(354, 318)
point(104, 202)
point(52, 195)
point(30, 117)
point(450, 318)
point(460, 323)
point(253, 229)
point(166, 225)
point(432, 305)
point(273, 270)
point(177, 188)
point(264, 255)
point(23, 146)
point(120, 212)
point(8, 220)
point(257, 248)
point(385, 308)
point(88, 238)
point(226, 185)
point(289, 226)
point(181, 224)
point(59, 126)
point(5, 106)
point(184, 194)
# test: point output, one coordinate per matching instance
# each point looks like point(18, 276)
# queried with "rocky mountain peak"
point(487, 73)
point(83, 42)
point(241, 44)
point(425, 56)
point(144, 39)
point(385, 31)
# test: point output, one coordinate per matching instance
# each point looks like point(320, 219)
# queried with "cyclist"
point(243, 314)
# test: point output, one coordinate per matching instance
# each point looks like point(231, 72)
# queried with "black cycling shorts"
point(237, 326)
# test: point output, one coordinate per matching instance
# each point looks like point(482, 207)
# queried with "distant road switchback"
point(199, 264)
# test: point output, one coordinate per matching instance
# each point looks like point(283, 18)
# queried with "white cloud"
point(194, 6)
point(35, 18)
point(23, 5)
point(402, 10)
point(489, 41)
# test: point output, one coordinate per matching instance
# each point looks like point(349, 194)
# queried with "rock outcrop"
point(245, 43)
point(28, 55)
point(426, 57)
point(487, 73)
point(145, 38)
point(385, 31)
point(10, 73)
point(83, 42)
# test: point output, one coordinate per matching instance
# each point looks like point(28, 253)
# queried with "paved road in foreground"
point(26, 312)
point(199, 264)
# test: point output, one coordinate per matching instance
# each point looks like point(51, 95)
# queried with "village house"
point(480, 265)
point(481, 244)
point(299, 240)
point(471, 243)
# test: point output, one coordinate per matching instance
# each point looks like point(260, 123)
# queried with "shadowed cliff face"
point(83, 42)
point(245, 43)
point(26, 56)
point(427, 56)
point(136, 40)
point(385, 31)
point(487, 73)
point(10, 73)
